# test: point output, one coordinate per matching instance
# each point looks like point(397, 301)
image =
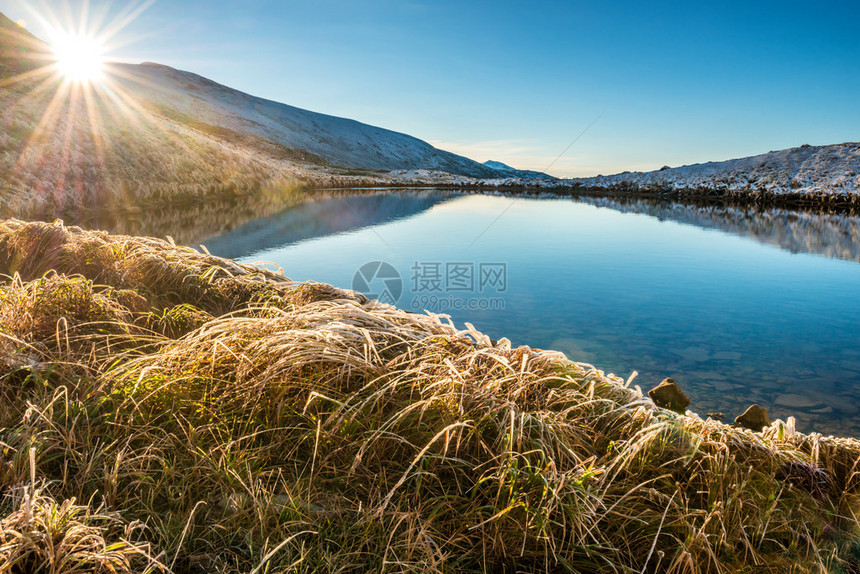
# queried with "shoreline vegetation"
point(165, 410)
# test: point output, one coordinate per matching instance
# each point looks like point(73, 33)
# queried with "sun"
point(80, 58)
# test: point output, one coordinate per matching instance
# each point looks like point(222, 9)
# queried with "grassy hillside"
point(316, 138)
point(80, 151)
point(65, 152)
point(168, 410)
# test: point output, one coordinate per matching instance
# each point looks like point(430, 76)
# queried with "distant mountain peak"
point(512, 171)
point(499, 166)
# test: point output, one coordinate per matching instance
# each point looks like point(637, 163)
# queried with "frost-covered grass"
point(163, 409)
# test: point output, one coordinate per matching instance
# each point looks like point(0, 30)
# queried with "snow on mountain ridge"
point(831, 169)
point(339, 141)
point(505, 169)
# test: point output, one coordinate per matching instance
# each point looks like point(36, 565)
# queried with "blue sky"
point(675, 82)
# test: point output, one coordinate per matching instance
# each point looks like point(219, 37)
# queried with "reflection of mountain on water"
point(835, 235)
point(239, 228)
point(320, 218)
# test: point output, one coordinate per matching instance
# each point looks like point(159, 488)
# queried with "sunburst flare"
point(80, 57)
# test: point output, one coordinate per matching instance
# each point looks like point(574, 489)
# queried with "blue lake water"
point(727, 303)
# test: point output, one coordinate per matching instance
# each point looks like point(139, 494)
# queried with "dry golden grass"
point(248, 423)
point(40, 535)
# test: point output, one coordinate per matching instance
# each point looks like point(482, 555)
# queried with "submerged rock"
point(669, 395)
point(796, 401)
point(723, 386)
point(716, 416)
point(754, 418)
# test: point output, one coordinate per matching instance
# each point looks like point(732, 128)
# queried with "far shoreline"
point(824, 203)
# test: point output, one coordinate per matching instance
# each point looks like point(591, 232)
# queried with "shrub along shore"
point(165, 410)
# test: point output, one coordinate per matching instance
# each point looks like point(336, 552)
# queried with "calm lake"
point(739, 306)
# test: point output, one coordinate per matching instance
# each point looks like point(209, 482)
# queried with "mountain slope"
point(802, 171)
point(804, 175)
point(338, 141)
point(152, 134)
point(61, 152)
point(512, 171)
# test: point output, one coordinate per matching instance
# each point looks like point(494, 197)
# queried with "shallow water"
point(738, 306)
